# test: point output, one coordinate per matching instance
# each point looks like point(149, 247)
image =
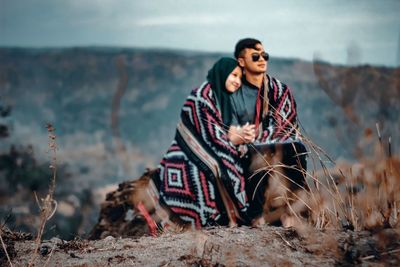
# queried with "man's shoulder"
point(275, 80)
point(277, 84)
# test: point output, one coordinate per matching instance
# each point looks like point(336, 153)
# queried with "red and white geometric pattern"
point(188, 190)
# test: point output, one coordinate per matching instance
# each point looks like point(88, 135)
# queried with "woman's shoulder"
point(202, 96)
point(202, 92)
point(204, 86)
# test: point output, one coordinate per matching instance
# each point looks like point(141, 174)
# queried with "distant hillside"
point(115, 110)
point(74, 89)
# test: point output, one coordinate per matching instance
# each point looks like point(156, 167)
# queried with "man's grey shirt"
point(243, 103)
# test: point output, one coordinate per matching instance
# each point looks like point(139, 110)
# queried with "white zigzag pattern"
point(200, 207)
point(188, 219)
point(199, 210)
point(271, 83)
point(282, 112)
point(219, 132)
point(203, 126)
point(199, 98)
point(176, 154)
point(225, 156)
point(188, 110)
point(230, 160)
point(200, 196)
point(280, 89)
point(236, 181)
point(161, 172)
point(211, 190)
point(168, 155)
point(239, 168)
point(270, 129)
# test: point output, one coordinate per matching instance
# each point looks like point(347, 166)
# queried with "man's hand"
point(242, 135)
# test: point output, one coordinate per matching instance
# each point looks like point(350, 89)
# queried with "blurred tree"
point(4, 112)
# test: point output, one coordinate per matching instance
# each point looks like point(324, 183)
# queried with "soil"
point(220, 246)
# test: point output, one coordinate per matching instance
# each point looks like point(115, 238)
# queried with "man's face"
point(252, 60)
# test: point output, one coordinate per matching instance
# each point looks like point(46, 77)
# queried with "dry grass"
point(364, 195)
point(341, 196)
point(47, 205)
point(360, 196)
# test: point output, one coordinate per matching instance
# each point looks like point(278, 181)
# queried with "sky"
point(342, 32)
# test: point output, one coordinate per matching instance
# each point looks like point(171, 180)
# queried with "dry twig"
point(5, 249)
point(46, 209)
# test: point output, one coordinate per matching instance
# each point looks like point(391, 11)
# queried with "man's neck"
point(255, 80)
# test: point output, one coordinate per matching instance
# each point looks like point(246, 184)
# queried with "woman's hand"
point(242, 135)
point(249, 133)
point(234, 135)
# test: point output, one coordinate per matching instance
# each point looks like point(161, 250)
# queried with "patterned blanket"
point(279, 115)
point(200, 177)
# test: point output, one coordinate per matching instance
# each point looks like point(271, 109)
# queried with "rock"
point(109, 239)
point(117, 215)
point(44, 249)
point(56, 240)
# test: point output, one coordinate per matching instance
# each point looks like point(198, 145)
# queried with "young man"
point(264, 111)
point(263, 101)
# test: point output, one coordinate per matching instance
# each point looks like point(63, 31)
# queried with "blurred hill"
point(115, 112)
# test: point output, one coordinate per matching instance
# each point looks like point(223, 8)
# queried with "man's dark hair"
point(245, 43)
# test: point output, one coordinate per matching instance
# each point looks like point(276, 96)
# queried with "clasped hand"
point(239, 135)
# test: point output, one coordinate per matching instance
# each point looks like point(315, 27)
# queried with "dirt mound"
point(243, 246)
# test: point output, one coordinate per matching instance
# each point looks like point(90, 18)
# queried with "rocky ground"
point(242, 246)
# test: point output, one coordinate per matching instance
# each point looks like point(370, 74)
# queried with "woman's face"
point(234, 80)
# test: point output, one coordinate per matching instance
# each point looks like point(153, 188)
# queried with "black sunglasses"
point(256, 57)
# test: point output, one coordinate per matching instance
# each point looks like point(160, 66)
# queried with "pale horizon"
point(338, 32)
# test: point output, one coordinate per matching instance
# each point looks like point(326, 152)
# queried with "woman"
point(200, 178)
point(199, 181)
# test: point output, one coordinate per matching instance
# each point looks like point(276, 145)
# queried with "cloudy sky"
point(327, 29)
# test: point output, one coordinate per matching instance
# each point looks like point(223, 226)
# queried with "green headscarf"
point(217, 76)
